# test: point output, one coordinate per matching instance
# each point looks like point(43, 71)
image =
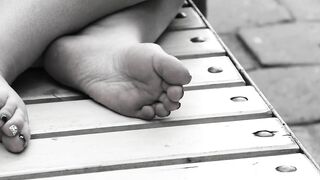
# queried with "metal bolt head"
point(181, 15)
point(239, 99)
point(264, 133)
point(198, 39)
point(213, 69)
point(186, 4)
point(285, 168)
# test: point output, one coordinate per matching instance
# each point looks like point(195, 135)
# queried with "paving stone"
point(239, 51)
point(309, 136)
point(229, 15)
point(303, 9)
point(294, 92)
point(295, 43)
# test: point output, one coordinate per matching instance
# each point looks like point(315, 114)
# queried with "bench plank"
point(179, 44)
point(212, 72)
point(36, 86)
point(187, 18)
point(200, 106)
point(147, 147)
point(262, 168)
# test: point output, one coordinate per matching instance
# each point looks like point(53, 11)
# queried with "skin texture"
point(103, 60)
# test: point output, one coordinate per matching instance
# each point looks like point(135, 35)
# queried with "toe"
point(13, 126)
point(170, 68)
point(160, 110)
point(146, 112)
point(175, 93)
point(8, 110)
point(168, 104)
point(17, 143)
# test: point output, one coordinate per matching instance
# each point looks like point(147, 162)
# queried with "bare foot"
point(138, 80)
point(14, 132)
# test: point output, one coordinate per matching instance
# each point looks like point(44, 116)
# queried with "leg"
point(111, 63)
point(40, 22)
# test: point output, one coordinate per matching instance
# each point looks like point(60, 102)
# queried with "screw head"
point(239, 99)
point(198, 39)
point(213, 69)
point(264, 133)
point(286, 168)
point(181, 15)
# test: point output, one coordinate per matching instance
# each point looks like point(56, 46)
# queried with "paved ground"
point(278, 42)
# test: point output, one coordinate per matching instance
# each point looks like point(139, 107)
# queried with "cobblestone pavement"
point(278, 43)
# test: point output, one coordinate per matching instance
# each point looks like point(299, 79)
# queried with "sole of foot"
point(138, 80)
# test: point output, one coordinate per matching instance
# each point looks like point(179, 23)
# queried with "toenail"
point(179, 105)
point(13, 129)
point(23, 139)
point(4, 118)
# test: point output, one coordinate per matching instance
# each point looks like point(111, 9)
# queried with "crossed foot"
point(14, 124)
point(138, 80)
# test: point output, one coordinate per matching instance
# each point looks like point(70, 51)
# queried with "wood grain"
point(179, 44)
point(147, 147)
point(200, 106)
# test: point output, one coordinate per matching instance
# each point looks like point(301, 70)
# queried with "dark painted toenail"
point(22, 138)
point(4, 118)
point(181, 15)
point(198, 39)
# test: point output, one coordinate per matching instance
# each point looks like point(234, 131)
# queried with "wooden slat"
point(200, 106)
point(147, 147)
point(203, 78)
point(35, 86)
point(260, 168)
point(179, 44)
point(191, 21)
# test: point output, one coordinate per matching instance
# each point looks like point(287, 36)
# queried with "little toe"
point(17, 143)
point(160, 110)
point(146, 112)
point(168, 104)
point(13, 126)
point(175, 93)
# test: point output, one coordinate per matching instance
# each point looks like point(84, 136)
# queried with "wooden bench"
point(225, 128)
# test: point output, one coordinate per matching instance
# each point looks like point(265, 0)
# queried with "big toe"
point(170, 68)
